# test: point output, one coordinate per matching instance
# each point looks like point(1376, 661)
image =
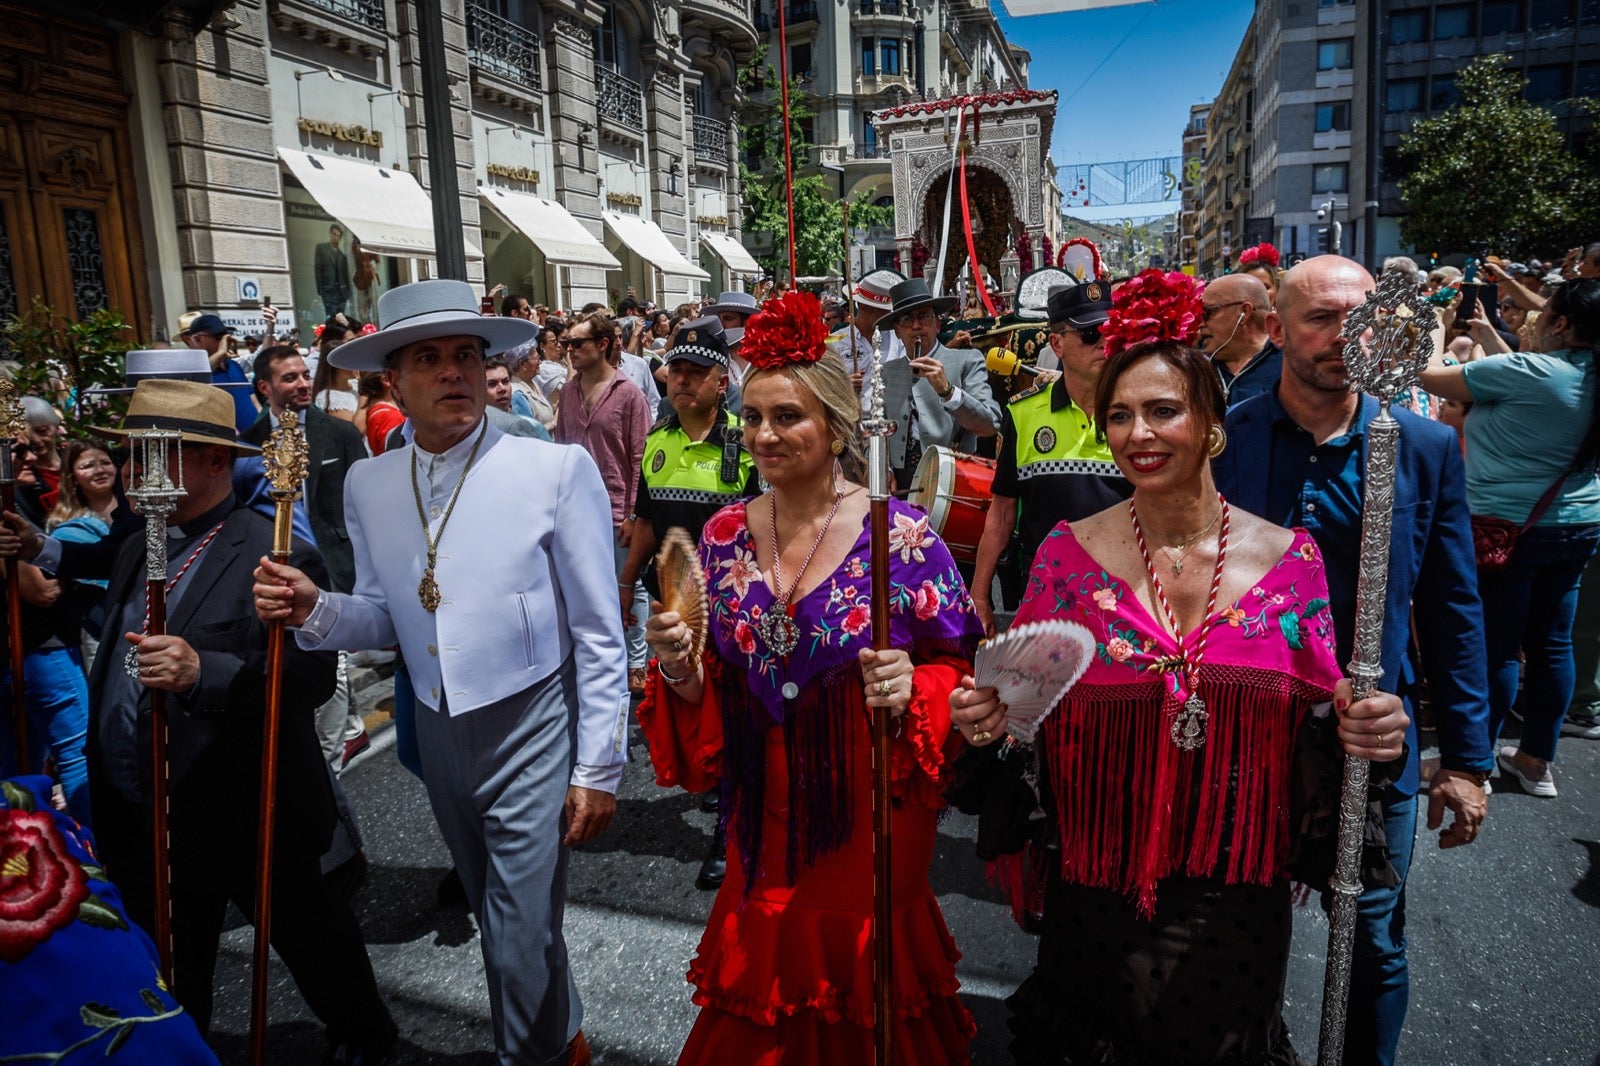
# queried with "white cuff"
point(955, 399)
point(319, 623)
point(599, 778)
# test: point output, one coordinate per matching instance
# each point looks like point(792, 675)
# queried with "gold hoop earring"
point(1216, 441)
point(837, 446)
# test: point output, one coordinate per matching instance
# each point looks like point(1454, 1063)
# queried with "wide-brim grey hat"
point(422, 311)
point(739, 303)
point(172, 364)
point(913, 295)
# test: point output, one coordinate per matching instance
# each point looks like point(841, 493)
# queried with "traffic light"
point(1322, 243)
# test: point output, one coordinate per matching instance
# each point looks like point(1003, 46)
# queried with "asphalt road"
point(1504, 934)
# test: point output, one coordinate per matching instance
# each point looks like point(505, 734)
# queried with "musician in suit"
point(333, 273)
point(507, 618)
point(949, 402)
point(211, 662)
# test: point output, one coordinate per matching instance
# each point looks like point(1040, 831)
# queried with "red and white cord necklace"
point(1188, 729)
point(130, 661)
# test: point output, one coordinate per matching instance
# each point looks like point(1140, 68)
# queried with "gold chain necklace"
point(1188, 544)
point(428, 588)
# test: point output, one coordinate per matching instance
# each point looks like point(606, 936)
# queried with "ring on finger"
point(885, 687)
point(982, 736)
point(677, 645)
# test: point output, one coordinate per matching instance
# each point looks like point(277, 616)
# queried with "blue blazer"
point(1432, 571)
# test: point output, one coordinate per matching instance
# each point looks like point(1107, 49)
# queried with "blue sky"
point(1176, 53)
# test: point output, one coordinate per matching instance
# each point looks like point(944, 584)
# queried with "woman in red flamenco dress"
point(776, 713)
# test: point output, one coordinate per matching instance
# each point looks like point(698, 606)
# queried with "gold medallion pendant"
point(428, 591)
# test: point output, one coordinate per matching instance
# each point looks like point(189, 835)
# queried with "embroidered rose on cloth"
point(41, 886)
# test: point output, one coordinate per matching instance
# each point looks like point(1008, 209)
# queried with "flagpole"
point(788, 138)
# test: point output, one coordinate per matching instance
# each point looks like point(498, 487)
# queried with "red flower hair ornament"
point(1153, 306)
point(1263, 253)
point(787, 330)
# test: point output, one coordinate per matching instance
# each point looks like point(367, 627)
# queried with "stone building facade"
point(278, 150)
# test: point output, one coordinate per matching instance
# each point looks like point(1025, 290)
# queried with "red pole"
point(156, 590)
point(19, 700)
point(788, 140)
point(260, 960)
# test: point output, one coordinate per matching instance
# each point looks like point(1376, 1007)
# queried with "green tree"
point(50, 352)
point(818, 221)
point(1494, 174)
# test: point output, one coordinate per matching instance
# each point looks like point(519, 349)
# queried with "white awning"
point(731, 252)
point(385, 209)
point(647, 240)
point(551, 228)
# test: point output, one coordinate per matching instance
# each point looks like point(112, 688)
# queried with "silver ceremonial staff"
point(877, 429)
point(1388, 341)
point(157, 455)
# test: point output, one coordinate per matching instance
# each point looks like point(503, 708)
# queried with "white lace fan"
point(1032, 667)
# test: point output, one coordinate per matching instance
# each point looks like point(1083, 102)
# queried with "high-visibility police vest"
point(684, 483)
point(1054, 466)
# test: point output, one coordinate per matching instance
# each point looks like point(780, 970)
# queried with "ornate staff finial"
point(286, 457)
point(13, 422)
point(1388, 337)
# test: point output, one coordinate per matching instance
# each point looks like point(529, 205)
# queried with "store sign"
point(624, 199)
point(251, 323)
point(525, 174)
point(349, 134)
point(718, 221)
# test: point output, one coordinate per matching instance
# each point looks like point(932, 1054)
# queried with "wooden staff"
point(285, 459)
point(13, 425)
point(1388, 340)
point(156, 496)
point(877, 431)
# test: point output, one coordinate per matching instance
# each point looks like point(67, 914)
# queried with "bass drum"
point(955, 490)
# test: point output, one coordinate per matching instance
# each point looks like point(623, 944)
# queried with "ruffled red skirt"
point(783, 975)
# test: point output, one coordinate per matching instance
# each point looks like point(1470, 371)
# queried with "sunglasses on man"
point(1087, 335)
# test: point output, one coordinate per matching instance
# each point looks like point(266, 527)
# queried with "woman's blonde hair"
point(841, 406)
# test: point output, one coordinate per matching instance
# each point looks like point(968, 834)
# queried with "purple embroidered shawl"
point(931, 614)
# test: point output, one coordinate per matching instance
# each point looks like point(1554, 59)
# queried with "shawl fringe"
point(1133, 808)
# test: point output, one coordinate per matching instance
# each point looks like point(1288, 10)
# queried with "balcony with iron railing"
point(368, 13)
point(805, 11)
point(869, 150)
point(619, 99)
point(882, 7)
point(722, 17)
point(710, 140)
point(355, 26)
point(501, 47)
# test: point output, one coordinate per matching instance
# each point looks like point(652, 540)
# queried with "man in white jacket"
point(516, 653)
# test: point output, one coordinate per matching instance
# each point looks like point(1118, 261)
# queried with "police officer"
point(694, 465)
point(1052, 466)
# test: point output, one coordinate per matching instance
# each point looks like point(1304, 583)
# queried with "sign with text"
point(249, 322)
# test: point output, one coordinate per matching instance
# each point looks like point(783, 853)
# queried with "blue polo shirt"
point(245, 412)
point(1259, 375)
point(1318, 486)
